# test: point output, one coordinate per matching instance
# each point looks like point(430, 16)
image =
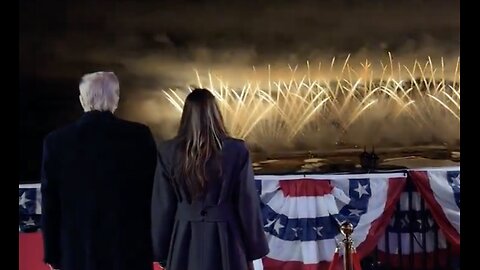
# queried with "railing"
point(411, 241)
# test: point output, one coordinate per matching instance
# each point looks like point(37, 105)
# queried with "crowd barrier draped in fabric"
point(302, 214)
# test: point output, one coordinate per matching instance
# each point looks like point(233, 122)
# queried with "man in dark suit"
point(97, 177)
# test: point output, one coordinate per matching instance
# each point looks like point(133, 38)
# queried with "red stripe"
point(393, 260)
point(335, 262)
point(356, 261)
point(377, 229)
point(420, 178)
point(30, 252)
point(272, 264)
point(305, 187)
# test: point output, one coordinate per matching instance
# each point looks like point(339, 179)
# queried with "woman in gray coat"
point(205, 208)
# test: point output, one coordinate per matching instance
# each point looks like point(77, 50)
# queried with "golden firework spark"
point(304, 103)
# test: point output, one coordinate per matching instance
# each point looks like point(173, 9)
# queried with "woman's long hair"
point(200, 141)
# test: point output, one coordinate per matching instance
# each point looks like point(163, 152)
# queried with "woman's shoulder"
point(167, 146)
point(233, 140)
point(231, 143)
point(237, 144)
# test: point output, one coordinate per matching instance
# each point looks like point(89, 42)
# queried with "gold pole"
point(347, 230)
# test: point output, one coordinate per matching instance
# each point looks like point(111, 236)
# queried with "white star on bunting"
point(355, 212)
point(23, 200)
point(318, 230)
point(361, 190)
point(405, 221)
point(29, 222)
point(295, 230)
point(277, 226)
point(269, 223)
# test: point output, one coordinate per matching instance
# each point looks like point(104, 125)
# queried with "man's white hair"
point(99, 91)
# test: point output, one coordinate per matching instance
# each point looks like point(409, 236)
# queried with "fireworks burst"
point(358, 106)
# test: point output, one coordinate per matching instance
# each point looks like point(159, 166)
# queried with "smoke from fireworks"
point(304, 108)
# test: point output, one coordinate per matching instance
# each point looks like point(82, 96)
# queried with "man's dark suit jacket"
point(97, 177)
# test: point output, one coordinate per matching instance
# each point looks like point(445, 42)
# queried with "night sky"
point(155, 44)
